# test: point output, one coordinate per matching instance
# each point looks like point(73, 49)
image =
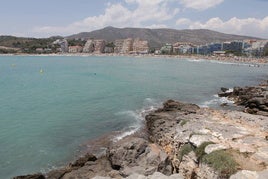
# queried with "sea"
point(50, 106)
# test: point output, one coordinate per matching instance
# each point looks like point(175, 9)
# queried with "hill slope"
point(158, 37)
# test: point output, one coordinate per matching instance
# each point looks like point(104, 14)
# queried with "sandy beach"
point(231, 59)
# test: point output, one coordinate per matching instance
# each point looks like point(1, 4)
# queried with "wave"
point(138, 116)
point(217, 101)
point(229, 63)
point(196, 60)
point(222, 62)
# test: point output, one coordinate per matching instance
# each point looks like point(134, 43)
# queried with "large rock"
point(81, 161)
point(136, 155)
point(33, 176)
point(171, 105)
point(101, 167)
point(127, 152)
point(246, 174)
point(254, 98)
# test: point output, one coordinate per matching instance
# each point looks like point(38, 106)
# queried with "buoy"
point(41, 70)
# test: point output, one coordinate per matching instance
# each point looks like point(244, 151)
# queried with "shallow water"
point(46, 115)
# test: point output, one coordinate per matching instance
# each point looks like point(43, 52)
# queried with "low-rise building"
point(75, 49)
point(219, 53)
point(39, 50)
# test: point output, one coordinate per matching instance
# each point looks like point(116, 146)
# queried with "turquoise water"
point(45, 117)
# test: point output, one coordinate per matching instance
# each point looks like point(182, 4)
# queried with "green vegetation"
point(110, 44)
point(234, 52)
point(183, 122)
point(184, 150)
point(222, 162)
point(28, 45)
point(75, 42)
point(7, 51)
point(200, 151)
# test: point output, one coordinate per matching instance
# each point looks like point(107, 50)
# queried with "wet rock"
point(58, 173)
point(81, 161)
point(171, 105)
point(253, 98)
point(223, 89)
point(224, 104)
point(225, 94)
point(33, 176)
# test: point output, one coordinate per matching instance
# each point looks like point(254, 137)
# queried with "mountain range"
point(159, 37)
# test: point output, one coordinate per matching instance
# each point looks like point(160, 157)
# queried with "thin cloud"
point(248, 26)
point(200, 4)
point(146, 12)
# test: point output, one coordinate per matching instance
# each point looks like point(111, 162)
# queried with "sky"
point(45, 18)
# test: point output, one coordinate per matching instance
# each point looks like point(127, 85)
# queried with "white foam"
point(125, 134)
point(228, 63)
point(220, 62)
point(216, 101)
point(230, 90)
point(196, 60)
point(139, 116)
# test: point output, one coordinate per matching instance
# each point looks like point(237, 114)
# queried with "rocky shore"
point(181, 141)
point(253, 98)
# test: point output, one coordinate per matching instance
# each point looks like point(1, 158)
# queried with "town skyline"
point(44, 19)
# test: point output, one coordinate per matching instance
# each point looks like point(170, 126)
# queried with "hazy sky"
point(44, 18)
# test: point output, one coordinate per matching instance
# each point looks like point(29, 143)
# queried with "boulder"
point(223, 89)
point(126, 152)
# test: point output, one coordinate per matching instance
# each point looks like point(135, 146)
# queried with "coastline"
point(171, 141)
point(234, 59)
